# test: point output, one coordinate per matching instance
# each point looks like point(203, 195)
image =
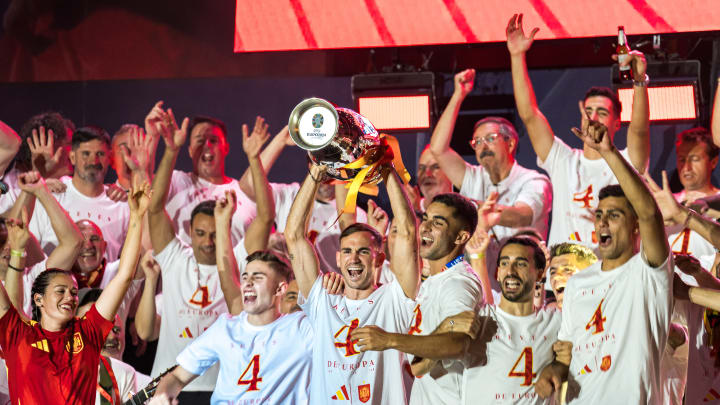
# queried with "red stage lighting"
point(389, 113)
point(668, 102)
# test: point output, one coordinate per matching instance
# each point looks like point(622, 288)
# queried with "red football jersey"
point(53, 367)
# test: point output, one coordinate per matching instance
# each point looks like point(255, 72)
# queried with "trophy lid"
point(313, 123)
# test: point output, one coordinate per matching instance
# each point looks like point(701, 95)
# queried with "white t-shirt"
point(340, 371)
point(267, 364)
point(4, 389)
point(187, 191)
point(618, 323)
point(576, 182)
point(673, 373)
point(323, 229)
point(127, 380)
point(683, 240)
point(512, 351)
point(192, 301)
point(522, 185)
point(455, 290)
point(8, 199)
point(386, 275)
point(110, 216)
point(703, 377)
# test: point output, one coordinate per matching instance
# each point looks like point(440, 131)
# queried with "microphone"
point(3, 187)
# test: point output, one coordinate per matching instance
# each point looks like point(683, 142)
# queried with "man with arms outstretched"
point(339, 370)
point(616, 312)
point(578, 175)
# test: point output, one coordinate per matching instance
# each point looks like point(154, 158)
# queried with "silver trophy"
point(334, 137)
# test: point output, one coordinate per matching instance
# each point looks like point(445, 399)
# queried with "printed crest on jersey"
point(364, 392)
point(606, 363)
point(349, 345)
point(204, 297)
point(78, 344)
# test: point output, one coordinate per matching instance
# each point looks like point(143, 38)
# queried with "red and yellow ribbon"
point(368, 163)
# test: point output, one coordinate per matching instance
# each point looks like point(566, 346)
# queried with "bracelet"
point(476, 256)
point(16, 269)
point(17, 253)
point(642, 83)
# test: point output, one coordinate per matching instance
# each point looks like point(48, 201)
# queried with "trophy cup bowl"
point(335, 136)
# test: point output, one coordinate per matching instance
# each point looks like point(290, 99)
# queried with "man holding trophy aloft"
point(348, 147)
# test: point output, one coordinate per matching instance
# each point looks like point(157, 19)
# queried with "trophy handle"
point(313, 124)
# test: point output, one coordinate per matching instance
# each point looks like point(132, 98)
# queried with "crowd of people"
point(591, 284)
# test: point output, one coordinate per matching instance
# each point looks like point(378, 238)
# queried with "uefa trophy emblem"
point(337, 137)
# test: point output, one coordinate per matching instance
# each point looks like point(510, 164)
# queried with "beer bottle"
point(622, 52)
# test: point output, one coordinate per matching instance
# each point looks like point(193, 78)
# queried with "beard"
point(520, 295)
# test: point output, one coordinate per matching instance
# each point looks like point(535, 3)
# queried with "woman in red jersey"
point(53, 359)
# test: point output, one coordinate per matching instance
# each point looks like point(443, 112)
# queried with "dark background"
point(107, 62)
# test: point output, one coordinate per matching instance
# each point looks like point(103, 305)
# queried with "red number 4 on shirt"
point(253, 382)
point(527, 371)
point(597, 320)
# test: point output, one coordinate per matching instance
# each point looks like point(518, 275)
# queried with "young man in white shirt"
point(208, 147)
point(578, 175)
point(525, 196)
point(264, 356)
point(567, 259)
point(339, 370)
point(616, 312)
point(452, 288)
point(85, 196)
point(514, 340)
point(192, 292)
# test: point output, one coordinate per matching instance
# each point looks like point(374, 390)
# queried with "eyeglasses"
point(488, 139)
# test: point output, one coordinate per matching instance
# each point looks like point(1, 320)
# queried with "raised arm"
point(18, 237)
point(268, 156)
point(171, 385)
point(257, 234)
point(70, 239)
point(345, 219)
point(112, 295)
point(638, 134)
point(476, 247)
point(650, 220)
point(147, 321)
point(161, 227)
point(302, 253)
point(404, 258)
point(9, 146)
point(228, 269)
point(450, 161)
point(541, 135)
